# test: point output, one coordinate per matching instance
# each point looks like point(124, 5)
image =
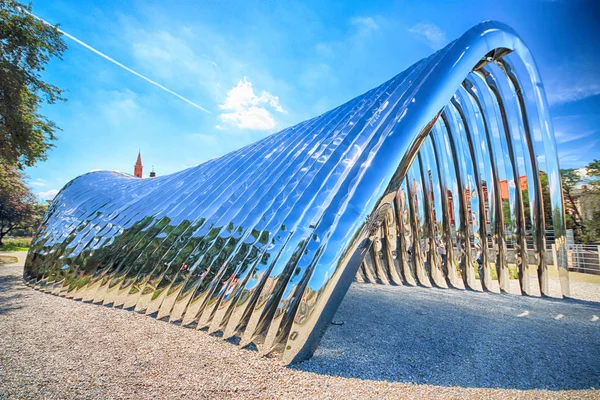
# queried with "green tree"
point(32, 223)
point(26, 46)
point(547, 199)
point(582, 202)
point(570, 178)
point(19, 208)
point(593, 173)
point(591, 202)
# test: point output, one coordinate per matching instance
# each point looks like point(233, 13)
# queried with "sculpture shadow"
point(10, 284)
point(456, 338)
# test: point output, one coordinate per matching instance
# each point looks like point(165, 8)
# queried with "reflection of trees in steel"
point(410, 183)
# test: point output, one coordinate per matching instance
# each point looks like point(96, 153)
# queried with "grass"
point(513, 273)
point(8, 260)
point(16, 244)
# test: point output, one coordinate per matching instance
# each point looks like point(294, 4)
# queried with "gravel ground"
point(395, 342)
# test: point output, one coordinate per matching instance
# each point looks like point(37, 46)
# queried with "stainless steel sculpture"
point(428, 179)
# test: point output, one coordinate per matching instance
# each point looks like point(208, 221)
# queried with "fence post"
point(599, 256)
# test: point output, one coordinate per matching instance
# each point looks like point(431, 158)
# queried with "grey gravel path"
point(454, 338)
point(395, 342)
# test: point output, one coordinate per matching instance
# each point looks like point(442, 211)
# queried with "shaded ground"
point(395, 342)
point(454, 338)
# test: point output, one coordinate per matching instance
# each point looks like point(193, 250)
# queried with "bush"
point(16, 244)
point(513, 273)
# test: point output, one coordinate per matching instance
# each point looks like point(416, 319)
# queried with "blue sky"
point(258, 67)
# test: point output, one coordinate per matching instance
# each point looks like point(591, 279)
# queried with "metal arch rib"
point(398, 186)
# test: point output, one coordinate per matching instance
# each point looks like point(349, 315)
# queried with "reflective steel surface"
point(432, 178)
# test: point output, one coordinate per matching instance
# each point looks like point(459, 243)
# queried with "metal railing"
point(584, 258)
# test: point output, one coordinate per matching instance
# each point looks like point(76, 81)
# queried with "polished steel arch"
point(433, 178)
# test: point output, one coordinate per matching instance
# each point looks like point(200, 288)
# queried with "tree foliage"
point(592, 191)
point(593, 173)
point(546, 198)
point(570, 178)
point(26, 46)
point(19, 208)
point(582, 202)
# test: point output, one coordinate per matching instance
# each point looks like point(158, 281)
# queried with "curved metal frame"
point(401, 185)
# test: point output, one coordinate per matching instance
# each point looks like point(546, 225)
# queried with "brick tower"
point(137, 168)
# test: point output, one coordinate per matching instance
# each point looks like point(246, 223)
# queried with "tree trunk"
point(4, 233)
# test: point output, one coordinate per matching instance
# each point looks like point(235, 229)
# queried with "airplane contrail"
point(112, 60)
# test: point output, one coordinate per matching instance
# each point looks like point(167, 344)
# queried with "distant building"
point(504, 187)
point(586, 200)
point(138, 167)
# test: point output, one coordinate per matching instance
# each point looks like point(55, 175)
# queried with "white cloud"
point(365, 24)
point(48, 195)
point(571, 80)
point(96, 51)
point(38, 183)
point(573, 135)
point(121, 106)
point(324, 50)
point(254, 118)
point(582, 173)
point(321, 82)
point(173, 59)
point(246, 110)
point(574, 131)
point(361, 30)
point(569, 158)
point(578, 88)
point(432, 34)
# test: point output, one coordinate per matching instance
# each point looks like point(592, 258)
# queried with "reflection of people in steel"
point(479, 257)
point(441, 249)
point(424, 252)
point(231, 286)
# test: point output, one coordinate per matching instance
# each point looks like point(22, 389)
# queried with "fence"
point(582, 257)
